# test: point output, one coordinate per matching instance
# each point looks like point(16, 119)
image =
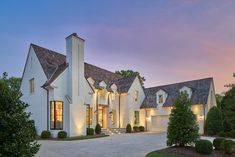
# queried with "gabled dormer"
point(161, 97)
point(187, 90)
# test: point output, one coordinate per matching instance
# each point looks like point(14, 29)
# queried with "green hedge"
point(62, 134)
point(231, 134)
point(98, 129)
point(90, 131)
point(204, 147)
point(228, 146)
point(141, 128)
point(128, 128)
point(45, 134)
point(217, 143)
point(136, 129)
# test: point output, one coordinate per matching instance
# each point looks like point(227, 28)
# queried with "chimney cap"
point(75, 35)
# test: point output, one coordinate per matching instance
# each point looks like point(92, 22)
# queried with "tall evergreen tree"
point(17, 131)
point(228, 107)
point(214, 122)
point(182, 127)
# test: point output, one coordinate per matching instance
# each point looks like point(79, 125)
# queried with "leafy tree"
point(228, 107)
point(182, 127)
point(13, 82)
point(129, 73)
point(214, 122)
point(17, 131)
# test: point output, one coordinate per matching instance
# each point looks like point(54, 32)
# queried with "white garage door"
point(159, 123)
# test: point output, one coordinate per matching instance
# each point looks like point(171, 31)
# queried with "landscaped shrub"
point(62, 134)
point(217, 143)
point(228, 146)
point(45, 134)
point(90, 131)
point(222, 134)
point(214, 123)
point(227, 126)
point(136, 129)
point(231, 134)
point(141, 128)
point(98, 129)
point(204, 147)
point(182, 127)
point(128, 128)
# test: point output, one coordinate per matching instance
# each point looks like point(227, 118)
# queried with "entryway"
point(103, 116)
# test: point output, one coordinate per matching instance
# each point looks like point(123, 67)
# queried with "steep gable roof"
point(200, 90)
point(54, 63)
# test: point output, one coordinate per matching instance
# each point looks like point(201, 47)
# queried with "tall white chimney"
point(76, 84)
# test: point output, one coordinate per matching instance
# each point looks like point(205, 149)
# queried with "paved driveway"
point(125, 145)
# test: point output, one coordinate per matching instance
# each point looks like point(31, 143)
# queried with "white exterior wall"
point(37, 100)
point(133, 105)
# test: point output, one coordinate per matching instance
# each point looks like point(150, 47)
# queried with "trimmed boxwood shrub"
point(136, 129)
point(141, 128)
point(128, 128)
point(45, 134)
point(204, 147)
point(62, 134)
point(90, 131)
point(98, 129)
point(228, 146)
point(217, 143)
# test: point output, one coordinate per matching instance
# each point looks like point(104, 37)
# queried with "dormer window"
point(160, 98)
point(187, 90)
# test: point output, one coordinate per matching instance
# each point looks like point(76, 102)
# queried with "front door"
point(102, 116)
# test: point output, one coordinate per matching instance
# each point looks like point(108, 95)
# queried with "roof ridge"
point(103, 69)
point(180, 82)
point(48, 49)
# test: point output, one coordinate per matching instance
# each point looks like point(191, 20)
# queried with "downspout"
point(204, 107)
point(97, 108)
point(47, 107)
point(119, 112)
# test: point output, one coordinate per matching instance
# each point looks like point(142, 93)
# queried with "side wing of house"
point(135, 98)
point(32, 80)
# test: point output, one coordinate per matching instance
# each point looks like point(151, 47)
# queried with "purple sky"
point(166, 41)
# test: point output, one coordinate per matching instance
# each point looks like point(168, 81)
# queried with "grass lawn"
point(161, 154)
point(84, 137)
point(76, 137)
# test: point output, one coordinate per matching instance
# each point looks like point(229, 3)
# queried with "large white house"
point(65, 93)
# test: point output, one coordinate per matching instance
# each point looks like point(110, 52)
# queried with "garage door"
point(159, 123)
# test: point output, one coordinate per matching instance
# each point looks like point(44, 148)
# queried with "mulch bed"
point(191, 152)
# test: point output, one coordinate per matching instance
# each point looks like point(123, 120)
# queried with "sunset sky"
point(166, 41)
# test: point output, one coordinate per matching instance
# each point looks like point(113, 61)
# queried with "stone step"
point(112, 131)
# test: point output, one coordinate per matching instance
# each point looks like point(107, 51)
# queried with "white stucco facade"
point(80, 95)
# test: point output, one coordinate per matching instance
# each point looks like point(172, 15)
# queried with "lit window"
point(102, 93)
point(160, 98)
point(113, 116)
point(89, 116)
point(136, 95)
point(137, 118)
point(56, 116)
point(31, 86)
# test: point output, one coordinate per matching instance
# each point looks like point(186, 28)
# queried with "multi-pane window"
point(31, 86)
point(56, 115)
point(160, 98)
point(88, 116)
point(137, 118)
point(136, 95)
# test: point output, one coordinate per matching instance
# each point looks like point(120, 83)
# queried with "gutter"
point(47, 107)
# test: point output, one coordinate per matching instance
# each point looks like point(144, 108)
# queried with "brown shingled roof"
point(54, 63)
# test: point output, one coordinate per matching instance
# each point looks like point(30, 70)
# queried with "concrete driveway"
point(124, 145)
